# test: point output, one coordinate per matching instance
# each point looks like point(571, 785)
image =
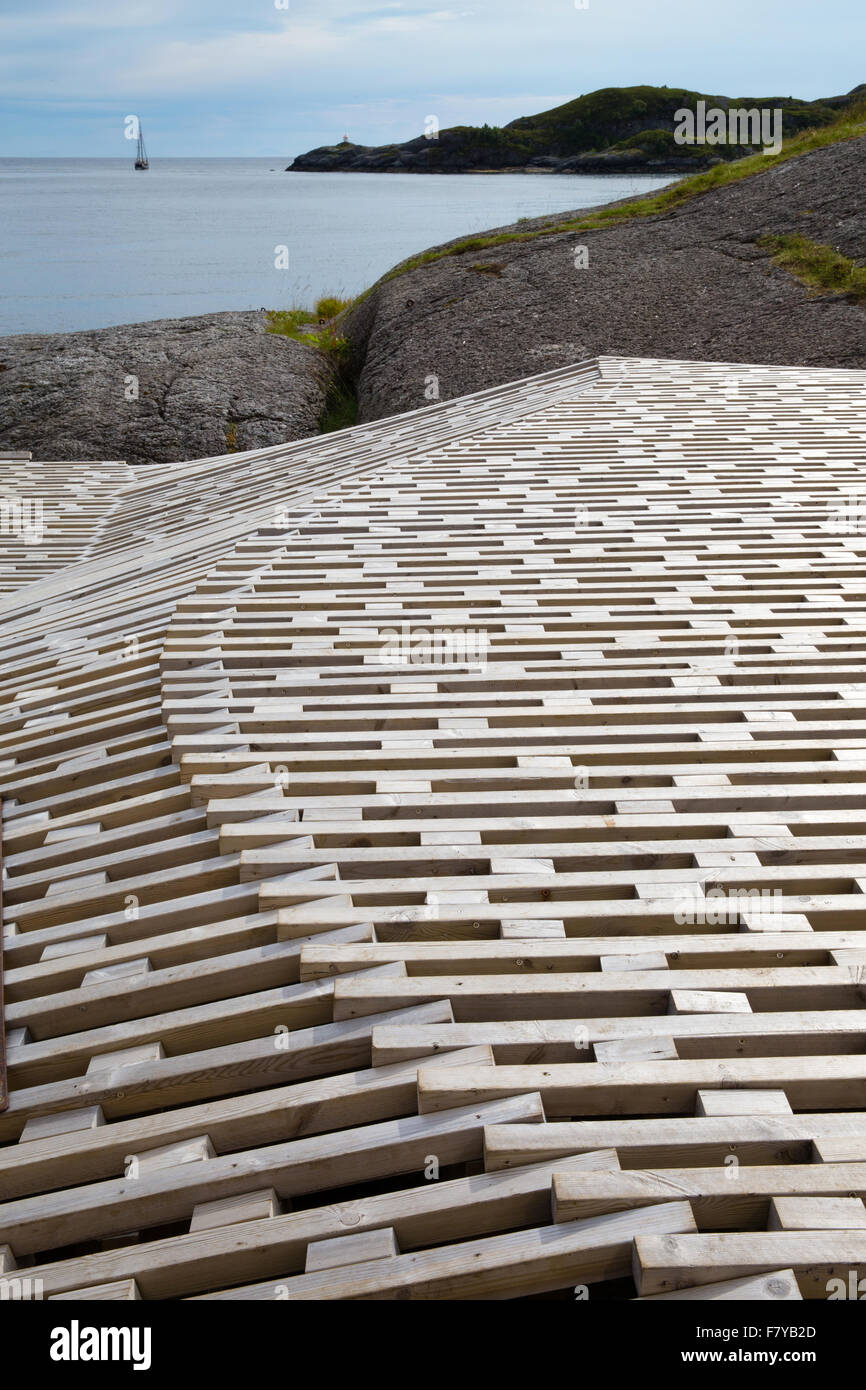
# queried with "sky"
point(277, 77)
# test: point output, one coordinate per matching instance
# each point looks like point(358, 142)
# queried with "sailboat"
point(141, 160)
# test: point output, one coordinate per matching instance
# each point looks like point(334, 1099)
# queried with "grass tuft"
point(821, 267)
point(297, 324)
point(330, 307)
point(289, 322)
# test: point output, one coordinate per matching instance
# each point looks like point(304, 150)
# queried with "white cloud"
point(417, 23)
point(229, 61)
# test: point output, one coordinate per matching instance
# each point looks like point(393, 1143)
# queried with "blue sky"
point(275, 77)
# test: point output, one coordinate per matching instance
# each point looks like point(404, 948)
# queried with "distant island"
point(608, 131)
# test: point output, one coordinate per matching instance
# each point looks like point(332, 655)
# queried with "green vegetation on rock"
point(817, 265)
point(299, 323)
point(341, 406)
point(317, 328)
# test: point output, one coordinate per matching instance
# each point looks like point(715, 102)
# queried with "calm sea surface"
point(89, 242)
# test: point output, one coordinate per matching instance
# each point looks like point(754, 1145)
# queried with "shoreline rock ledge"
point(161, 391)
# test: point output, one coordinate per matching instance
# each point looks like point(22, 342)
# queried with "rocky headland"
point(612, 130)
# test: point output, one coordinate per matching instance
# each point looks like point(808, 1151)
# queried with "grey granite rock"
point(206, 385)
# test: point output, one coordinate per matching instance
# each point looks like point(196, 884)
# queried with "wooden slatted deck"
point(435, 856)
point(51, 514)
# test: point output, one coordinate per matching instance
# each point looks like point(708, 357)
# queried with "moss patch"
point(823, 269)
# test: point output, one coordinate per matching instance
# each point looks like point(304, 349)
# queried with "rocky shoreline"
point(693, 282)
point(607, 162)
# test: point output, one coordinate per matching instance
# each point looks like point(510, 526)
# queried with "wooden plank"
point(665, 1087)
point(816, 1257)
point(504, 1266)
point(476, 955)
point(780, 1286)
point(635, 1050)
point(752, 1102)
point(706, 1001)
point(122, 1290)
point(666, 1142)
point(352, 1250)
point(65, 1122)
point(557, 1040)
point(563, 995)
point(195, 1150)
point(731, 1196)
point(823, 1213)
point(844, 1148)
point(250, 1206)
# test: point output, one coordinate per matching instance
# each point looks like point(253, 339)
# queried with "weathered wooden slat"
point(824, 1262)
point(656, 1087)
point(668, 1142)
point(731, 1197)
point(504, 1266)
point(778, 1286)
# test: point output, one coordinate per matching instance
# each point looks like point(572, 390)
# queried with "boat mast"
point(141, 160)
